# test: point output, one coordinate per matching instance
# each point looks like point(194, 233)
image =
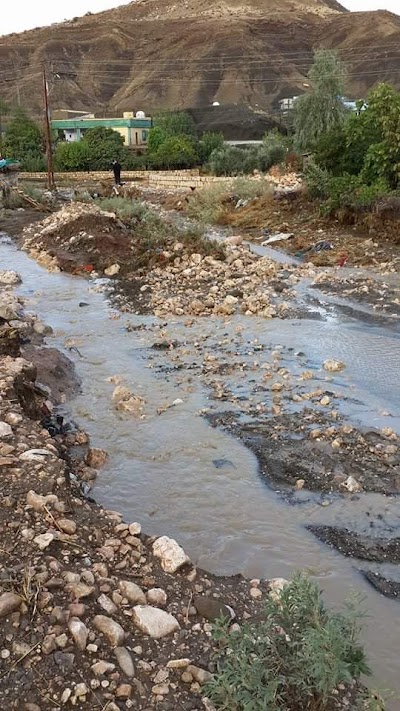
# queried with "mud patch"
point(287, 451)
point(388, 588)
point(355, 545)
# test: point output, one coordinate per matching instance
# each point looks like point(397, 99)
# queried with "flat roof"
point(107, 123)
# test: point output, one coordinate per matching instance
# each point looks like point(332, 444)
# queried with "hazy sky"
point(24, 14)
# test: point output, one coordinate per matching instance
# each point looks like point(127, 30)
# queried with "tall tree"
point(24, 141)
point(322, 109)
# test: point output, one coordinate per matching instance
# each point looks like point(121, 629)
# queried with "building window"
point(144, 136)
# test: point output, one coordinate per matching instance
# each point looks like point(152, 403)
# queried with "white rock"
point(276, 586)
point(134, 529)
point(132, 592)
point(101, 667)
point(5, 430)
point(156, 597)
point(35, 455)
point(9, 277)
point(79, 632)
point(352, 485)
point(172, 555)
point(333, 366)
point(154, 622)
point(107, 604)
point(44, 540)
point(200, 675)
point(112, 270)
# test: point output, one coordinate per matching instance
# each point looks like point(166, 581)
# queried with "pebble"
point(178, 663)
point(96, 458)
point(67, 526)
point(124, 691)
point(111, 629)
point(5, 430)
point(79, 632)
point(160, 689)
point(212, 609)
point(202, 676)
point(100, 668)
point(132, 592)
point(156, 597)
point(154, 622)
point(124, 660)
point(9, 603)
point(107, 604)
point(44, 540)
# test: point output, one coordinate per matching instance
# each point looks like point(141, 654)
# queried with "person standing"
point(116, 167)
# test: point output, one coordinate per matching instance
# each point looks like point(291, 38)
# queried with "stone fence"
point(158, 179)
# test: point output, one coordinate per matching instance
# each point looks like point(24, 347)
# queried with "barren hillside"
point(154, 54)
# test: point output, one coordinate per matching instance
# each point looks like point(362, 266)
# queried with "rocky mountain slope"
point(153, 54)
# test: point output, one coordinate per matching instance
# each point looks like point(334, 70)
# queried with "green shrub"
point(175, 152)
point(209, 142)
point(230, 160)
point(72, 156)
point(104, 145)
point(295, 658)
point(269, 156)
point(317, 180)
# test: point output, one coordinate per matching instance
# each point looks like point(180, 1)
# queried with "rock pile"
point(242, 283)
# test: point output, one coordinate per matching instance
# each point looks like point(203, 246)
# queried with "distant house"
point(134, 128)
point(287, 104)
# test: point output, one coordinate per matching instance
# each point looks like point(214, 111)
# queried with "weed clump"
point(300, 656)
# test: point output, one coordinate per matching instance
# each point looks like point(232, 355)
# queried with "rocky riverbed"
point(283, 405)
point(93, 613)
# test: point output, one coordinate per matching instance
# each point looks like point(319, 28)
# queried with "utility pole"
point(49, 152)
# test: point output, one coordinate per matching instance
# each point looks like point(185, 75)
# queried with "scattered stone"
point(276, 586)
point(154, 622)
point(178, 663)
point(352, 485)
point(44, 540)
point(67, 526)
point(111, 629)
point(123, 691)
point(125, 661)
point(132, 592)
point(100, 668)
point(173, 557)
point(112, 270)
point(9, 603)
point(5, 430)
point(79, 632)
point(202, 676)
point(213, 609)
point(156, 597)
point(334, 366)
point(96, 458)
point(107, 604)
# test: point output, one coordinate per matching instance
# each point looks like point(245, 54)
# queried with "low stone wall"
point(164, 180)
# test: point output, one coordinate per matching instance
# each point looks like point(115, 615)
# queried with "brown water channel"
point(162, 470)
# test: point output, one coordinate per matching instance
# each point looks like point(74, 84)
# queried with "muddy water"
point(162, 469)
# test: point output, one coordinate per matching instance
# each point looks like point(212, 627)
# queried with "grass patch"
point(206, 205)
point(300, 656)
point(247, 189)
point(153, 235)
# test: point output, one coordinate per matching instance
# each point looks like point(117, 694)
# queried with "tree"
point(175, 152)
point(4, 111)
point(72, 156)
point(383, 156)
point(104, 145)
point(24, 141)
point(177, 123)
point(210, 141)
point(322, 109)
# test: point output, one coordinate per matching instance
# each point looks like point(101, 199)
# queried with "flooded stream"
point(161, 470)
